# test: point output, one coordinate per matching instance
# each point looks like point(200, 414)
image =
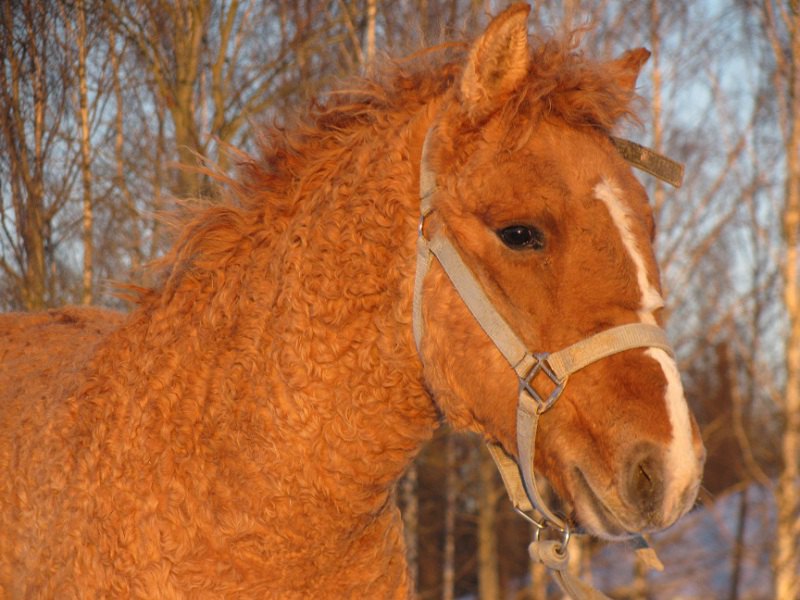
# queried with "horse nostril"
point(645, 482)
point(642, 482)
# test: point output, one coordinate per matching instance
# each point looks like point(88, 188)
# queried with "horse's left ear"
point(497, 63)
point(628, 66)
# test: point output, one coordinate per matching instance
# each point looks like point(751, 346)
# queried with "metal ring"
point(566, 533)
point(421, 223)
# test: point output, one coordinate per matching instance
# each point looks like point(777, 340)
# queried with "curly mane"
point(297, 158)
point(561, 80)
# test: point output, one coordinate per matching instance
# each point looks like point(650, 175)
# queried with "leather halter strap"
point(557, 366)
point(518, 477)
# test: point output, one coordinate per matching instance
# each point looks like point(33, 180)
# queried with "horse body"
point(240, 433)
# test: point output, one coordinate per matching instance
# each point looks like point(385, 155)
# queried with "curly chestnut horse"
point(240, 434)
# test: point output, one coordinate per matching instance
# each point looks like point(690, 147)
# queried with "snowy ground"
point(698, 553)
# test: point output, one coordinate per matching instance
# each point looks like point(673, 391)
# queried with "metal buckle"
point(421, 223)
point(526, 383)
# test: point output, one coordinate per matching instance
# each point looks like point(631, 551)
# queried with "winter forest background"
point(100, 99)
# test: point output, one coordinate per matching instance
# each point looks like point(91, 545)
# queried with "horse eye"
point(521, 237)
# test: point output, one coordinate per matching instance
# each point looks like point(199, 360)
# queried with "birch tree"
point(81, 41)
point(782, 21)
point(215, 64)
point(34, 86)
point(488, 551)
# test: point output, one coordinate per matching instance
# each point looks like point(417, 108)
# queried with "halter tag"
point(649, 161)
point(526, 383)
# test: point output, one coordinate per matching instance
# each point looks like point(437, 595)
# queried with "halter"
point(528, 365)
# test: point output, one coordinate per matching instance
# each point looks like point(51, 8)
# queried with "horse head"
point(523, 180)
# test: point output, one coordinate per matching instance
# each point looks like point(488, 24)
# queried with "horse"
point(240, 433)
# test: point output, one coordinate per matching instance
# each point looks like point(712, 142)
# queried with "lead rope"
point(557, 366)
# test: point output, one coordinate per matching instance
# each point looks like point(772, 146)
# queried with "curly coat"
point(240, 433)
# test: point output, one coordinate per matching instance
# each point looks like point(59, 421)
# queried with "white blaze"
point(682, 465)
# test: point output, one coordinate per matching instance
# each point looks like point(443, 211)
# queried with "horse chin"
point(603, 514)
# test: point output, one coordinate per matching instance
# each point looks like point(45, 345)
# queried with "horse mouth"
point(594, 514)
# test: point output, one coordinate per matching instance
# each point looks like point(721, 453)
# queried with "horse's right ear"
point(497, 64)
point(626, 68)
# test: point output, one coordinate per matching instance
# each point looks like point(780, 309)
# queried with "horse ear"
point(628, 66)
point(497, 63)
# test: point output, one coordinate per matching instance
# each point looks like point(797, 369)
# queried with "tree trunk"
point(369, 45)
point(449, 559)
point(488, 571)
point(35, 285)
point(787, 555)
point(159, 156)
point(656, 125)
point(739, 547)
point(410, 501)
point(135, 249)
point(25, 157)
point(86, 170)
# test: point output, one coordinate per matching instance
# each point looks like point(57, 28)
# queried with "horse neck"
point(307, 335)
point(346, 280)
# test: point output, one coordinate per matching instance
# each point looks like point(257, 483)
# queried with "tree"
point(34, 83)
point(216, 64)
point(81, 41)
point(489, 493)
point(782, 23)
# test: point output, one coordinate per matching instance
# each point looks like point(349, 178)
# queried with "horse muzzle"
point(647, 495)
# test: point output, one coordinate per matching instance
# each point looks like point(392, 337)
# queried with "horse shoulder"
point(39, 348)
